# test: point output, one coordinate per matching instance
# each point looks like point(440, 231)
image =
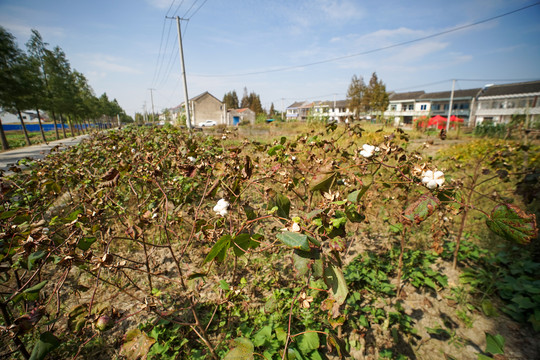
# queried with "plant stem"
point(400, 264)
point(18, 342)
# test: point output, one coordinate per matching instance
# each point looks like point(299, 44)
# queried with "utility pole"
point(450, 107)
point(181, 50)
point(152, 99)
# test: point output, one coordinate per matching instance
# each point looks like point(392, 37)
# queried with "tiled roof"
point(445, 95)
point(295, 105)
point(513, 89)
point(406, 96)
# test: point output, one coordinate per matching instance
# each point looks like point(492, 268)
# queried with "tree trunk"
point(55, 126)
point(63, 127)
point(71, 127)
point(41, 128)
point(77, 126)
point(3, 139)
point(24, 128)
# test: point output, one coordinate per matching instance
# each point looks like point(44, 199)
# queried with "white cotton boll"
point(221, 207)
point(432, 179)
point(295, 227)
point(367, 151)
point(192, 159)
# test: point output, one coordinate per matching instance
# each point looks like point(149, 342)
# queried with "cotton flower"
point(221, 207)
point(192, 159)
point(432, 179)
point(133, 151)
point(295, 227)
point(368, 150)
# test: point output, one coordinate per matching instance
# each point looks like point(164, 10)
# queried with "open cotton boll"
point(221, 207)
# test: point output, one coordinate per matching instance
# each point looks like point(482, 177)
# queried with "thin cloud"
point(23, 32)
point(160, 4)
point(105, 63)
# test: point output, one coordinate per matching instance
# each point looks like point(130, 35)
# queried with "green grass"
point(16, 138)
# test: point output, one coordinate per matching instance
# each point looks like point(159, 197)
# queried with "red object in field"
point(438, 120)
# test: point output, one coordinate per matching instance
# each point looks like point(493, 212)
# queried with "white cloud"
point(160, 4)
point(22, 31)
point(339, 10)
point(105, 63)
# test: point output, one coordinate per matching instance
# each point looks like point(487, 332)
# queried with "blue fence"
point(46, 127)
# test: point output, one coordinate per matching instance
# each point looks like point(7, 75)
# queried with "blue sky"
point(125, 47)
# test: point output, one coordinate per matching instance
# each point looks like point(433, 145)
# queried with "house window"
point(423, 107)
point(436, 107)
point(410, 107)
point(446, 106)
point(393, 107)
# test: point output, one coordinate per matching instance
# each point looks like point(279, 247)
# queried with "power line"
point(170, 7)
point(200, 6)
point(177, 8)
point(188, 10)
point(376, 49)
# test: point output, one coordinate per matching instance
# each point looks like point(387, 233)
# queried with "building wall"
point(207, 108)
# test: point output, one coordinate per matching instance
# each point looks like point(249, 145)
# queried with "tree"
point(245, 100)
point(255, 103)
point(231, 100)
point(376, 98)
point(13, 73)
point(60, 83)
point(39, 92)
point(355, 95)
point(272, 110)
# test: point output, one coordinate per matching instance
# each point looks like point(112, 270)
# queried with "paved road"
point(10, 157)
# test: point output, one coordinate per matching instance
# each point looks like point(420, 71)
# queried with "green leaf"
point(488, 308)
point(219, 248)
point(47, 342)
point(294, 240)
point(262, 336)
point(85, 243)
point(430, 283)
point(241, 244)
point(421, 209)
point(274, 149)
point(494, 344)
point(308, 342)
point(355, 196)
point(534, 319)
point(243, 350)
point(523, 302)
point(303, 260)
point(136, 345)
point(224, 285)
point(483, 357)
point(396, 229)
point(334, 279)
point(35, 256)
point(283, 205)
point(325, 184)
point(32, 294)
point(7, 214)
point(512, 223)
